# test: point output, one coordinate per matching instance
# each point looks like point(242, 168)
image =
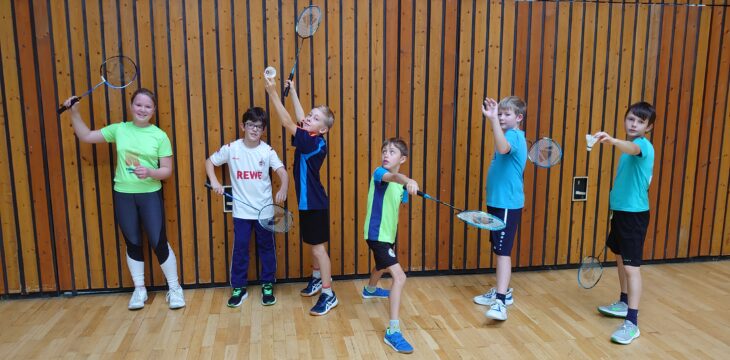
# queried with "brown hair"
point(147, 92)
point(398, 143)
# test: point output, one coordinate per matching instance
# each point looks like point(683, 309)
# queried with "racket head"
point(275, 218)
point(118, 72)
point(589, 272)
point(308, 21)
point(481, 220)
point(545, 153)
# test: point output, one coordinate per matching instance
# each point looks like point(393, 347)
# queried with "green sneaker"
point(267, 294)
point(626, 333)
point(237, 297)
point(617, 309)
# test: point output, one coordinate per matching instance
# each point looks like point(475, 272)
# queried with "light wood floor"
point(685, 313)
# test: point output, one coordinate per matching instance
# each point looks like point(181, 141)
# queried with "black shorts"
point(627, 235)
point(503, 240)
point(384, 254)
point(315, 226)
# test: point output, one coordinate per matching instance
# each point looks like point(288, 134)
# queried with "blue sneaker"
point(324, 304)
point(397, 342)
point(313, 287)
point(379, 293)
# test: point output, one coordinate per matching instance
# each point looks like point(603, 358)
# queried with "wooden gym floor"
point(685, 313)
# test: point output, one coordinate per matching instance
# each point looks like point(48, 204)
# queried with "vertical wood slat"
point(406, 68)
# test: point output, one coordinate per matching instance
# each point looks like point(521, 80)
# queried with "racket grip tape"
point(285, 93)
point(63, 108)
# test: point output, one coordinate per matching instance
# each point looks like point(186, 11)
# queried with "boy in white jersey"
point(629, 204)
point(249, 160)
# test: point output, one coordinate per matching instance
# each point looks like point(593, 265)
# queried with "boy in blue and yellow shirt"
point(385, 195)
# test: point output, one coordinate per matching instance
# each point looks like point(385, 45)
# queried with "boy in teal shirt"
point(385, 195)
point(505, 194)
point(629, 204)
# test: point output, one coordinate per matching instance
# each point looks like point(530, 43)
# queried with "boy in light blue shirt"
point(505, 194)
point(629, 204)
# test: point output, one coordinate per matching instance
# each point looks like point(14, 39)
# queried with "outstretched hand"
point(489, 108)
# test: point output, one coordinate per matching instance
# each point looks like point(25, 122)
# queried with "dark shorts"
point(384, 254)
point(627, 235)
point(503, 240)
point(315, 226)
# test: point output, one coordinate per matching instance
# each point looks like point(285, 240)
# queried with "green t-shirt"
point(384, 199)
point(631, 188)
point(137, 146)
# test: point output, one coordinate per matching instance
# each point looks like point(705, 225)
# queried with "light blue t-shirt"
point(505, 182)
point(631, 188)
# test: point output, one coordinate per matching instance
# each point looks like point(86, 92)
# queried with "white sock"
point(136, 269)
point(169, 268)
point(327, 291)
point(316, 274)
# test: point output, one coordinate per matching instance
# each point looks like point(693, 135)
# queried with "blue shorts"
point(503, 240)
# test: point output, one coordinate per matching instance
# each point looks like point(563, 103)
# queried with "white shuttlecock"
point(590, 141)
point(270, 72)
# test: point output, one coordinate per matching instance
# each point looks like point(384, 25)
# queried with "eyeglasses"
point(251, 126)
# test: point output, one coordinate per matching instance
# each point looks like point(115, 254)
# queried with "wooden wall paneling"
point(476, 124)
point(709, 104)
point(565, 130)
point(721, 104)
point(700, 76)
point(555, 103)
point(49, 128)
point(62, 212)
point(214, 125)
point(462, 130)
point(507, 55)
point(349, 133)
point(37, 249)
point(11, 283)
point(392, 66)
point(682, 151)
point(335, 191)
point(428, 179)
point(188, 252)
point(446, 116)
point(363, 144)
point(719, 235)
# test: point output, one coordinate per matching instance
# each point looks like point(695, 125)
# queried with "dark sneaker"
point(312, 288)
point(267, 294)
point(324, 304)
point(237, 297)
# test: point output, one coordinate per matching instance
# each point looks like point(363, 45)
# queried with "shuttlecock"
point(590, 141)
point(270, 72)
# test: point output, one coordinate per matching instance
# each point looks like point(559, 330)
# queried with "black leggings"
point(146, 208)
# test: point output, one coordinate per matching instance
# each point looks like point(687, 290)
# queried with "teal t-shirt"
point(384, 199)
point(137, 146)
point(505, 182)
point(631, 188)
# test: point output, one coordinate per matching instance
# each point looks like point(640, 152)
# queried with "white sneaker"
point(498, 311)
point(490, 296)
point(137, 300)
point(175, 298)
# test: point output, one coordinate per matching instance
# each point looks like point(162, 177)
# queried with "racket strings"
point(308, 22)
point(276, 218)
point(119, 71)
point(545, 152)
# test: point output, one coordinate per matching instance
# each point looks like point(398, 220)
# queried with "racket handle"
point(64, 108)
point(422, 194)
point(285, 93)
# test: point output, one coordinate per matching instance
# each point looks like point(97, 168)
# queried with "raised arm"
point(80, 128)
point(490, 111)
point(298, 110)
point(279, 108)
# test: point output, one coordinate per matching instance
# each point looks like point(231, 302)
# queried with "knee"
point(399, 278)
point(319, 250)
point(135, 252)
